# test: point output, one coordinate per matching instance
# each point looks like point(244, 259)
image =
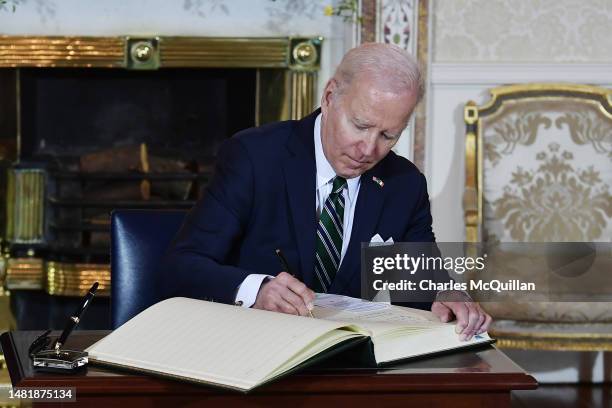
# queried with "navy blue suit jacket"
point(262, 197)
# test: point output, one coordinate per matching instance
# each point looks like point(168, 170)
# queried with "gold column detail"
point(5, 385)
point(25, 206)
point(223, 52)
point(142, 53)
point(74, 279)
point(302, 93)
point(24, 273)
point(21, 51)
point(305, 58)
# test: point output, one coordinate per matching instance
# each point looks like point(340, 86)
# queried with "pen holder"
point(59, 360)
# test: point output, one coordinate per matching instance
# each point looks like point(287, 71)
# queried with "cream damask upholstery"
point(539, 169)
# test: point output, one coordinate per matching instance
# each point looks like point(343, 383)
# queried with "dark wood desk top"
point(482, 369)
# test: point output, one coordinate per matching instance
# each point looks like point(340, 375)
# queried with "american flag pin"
point(378, 181)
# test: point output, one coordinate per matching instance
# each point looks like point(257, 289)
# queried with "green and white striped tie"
point(329, 237)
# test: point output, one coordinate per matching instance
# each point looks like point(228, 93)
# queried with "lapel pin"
point(378, 181)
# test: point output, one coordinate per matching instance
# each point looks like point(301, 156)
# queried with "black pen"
point(285, 266)
point(73, 321)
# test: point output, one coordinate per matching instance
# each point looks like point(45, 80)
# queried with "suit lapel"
point(299, 168)
point(367, 214)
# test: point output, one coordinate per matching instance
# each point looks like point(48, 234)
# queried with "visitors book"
point(242, 348)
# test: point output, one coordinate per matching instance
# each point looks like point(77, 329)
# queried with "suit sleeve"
point(420, 225)
point(197, 264)
point(420, 231)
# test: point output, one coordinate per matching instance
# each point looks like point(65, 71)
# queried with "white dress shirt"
point(249, 288)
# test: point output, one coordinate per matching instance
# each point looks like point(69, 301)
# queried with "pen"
point(285, 266)
point(73, 321)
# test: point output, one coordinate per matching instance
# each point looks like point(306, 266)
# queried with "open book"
point(242, 348)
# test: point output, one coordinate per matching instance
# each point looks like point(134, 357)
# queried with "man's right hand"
point(285, 294)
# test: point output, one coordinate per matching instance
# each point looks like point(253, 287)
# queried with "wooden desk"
point(472, 378)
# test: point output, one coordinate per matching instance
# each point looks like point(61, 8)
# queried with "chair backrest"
point(539, 164)
point(139, 240)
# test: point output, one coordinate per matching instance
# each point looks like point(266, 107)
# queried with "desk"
point(469, 378)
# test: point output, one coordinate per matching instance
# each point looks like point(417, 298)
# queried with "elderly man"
point(316, 189)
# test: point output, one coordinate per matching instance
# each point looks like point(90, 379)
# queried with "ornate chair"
point(538, 169)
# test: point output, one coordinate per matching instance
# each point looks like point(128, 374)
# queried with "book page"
point(216, 343)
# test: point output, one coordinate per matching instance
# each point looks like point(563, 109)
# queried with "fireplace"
point(91, 124)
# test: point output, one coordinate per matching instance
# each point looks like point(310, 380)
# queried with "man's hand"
point(471, 319)
point(285, 294)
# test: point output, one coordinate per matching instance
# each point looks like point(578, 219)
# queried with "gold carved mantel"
point(286, 78)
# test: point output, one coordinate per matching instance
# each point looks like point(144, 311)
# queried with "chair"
point(538, 169)
point(139, 239)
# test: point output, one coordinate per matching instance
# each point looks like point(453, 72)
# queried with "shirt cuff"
point(248, 289)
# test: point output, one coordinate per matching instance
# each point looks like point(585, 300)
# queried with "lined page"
point(209, 341)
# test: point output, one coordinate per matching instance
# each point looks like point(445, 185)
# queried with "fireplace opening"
point(182, 113)
point(109, 139)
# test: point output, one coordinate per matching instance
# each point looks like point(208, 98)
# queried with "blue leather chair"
point(139, 239)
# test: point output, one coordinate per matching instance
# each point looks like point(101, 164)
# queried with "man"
point(315, 189)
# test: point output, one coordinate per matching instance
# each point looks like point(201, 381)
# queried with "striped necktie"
point(329, 237)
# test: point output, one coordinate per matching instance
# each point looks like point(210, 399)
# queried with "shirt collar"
point(325, 172)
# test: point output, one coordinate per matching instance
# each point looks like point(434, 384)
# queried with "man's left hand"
point(471, 319)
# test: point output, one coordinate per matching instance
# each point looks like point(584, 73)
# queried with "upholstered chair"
point(539, 170)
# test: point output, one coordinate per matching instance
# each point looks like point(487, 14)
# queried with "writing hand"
point(285, 294)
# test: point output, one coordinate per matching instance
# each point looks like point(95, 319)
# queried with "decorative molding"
point(225, 52)
point(38, 51)
point(484, 74)
point(370, 10)
point(422, 41)
point(551, 344)
point(398, 23)
point(72, 279)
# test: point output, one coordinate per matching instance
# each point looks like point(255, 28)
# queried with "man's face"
point(359, 127)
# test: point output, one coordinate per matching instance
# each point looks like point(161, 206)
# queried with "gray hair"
point(391, 66)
